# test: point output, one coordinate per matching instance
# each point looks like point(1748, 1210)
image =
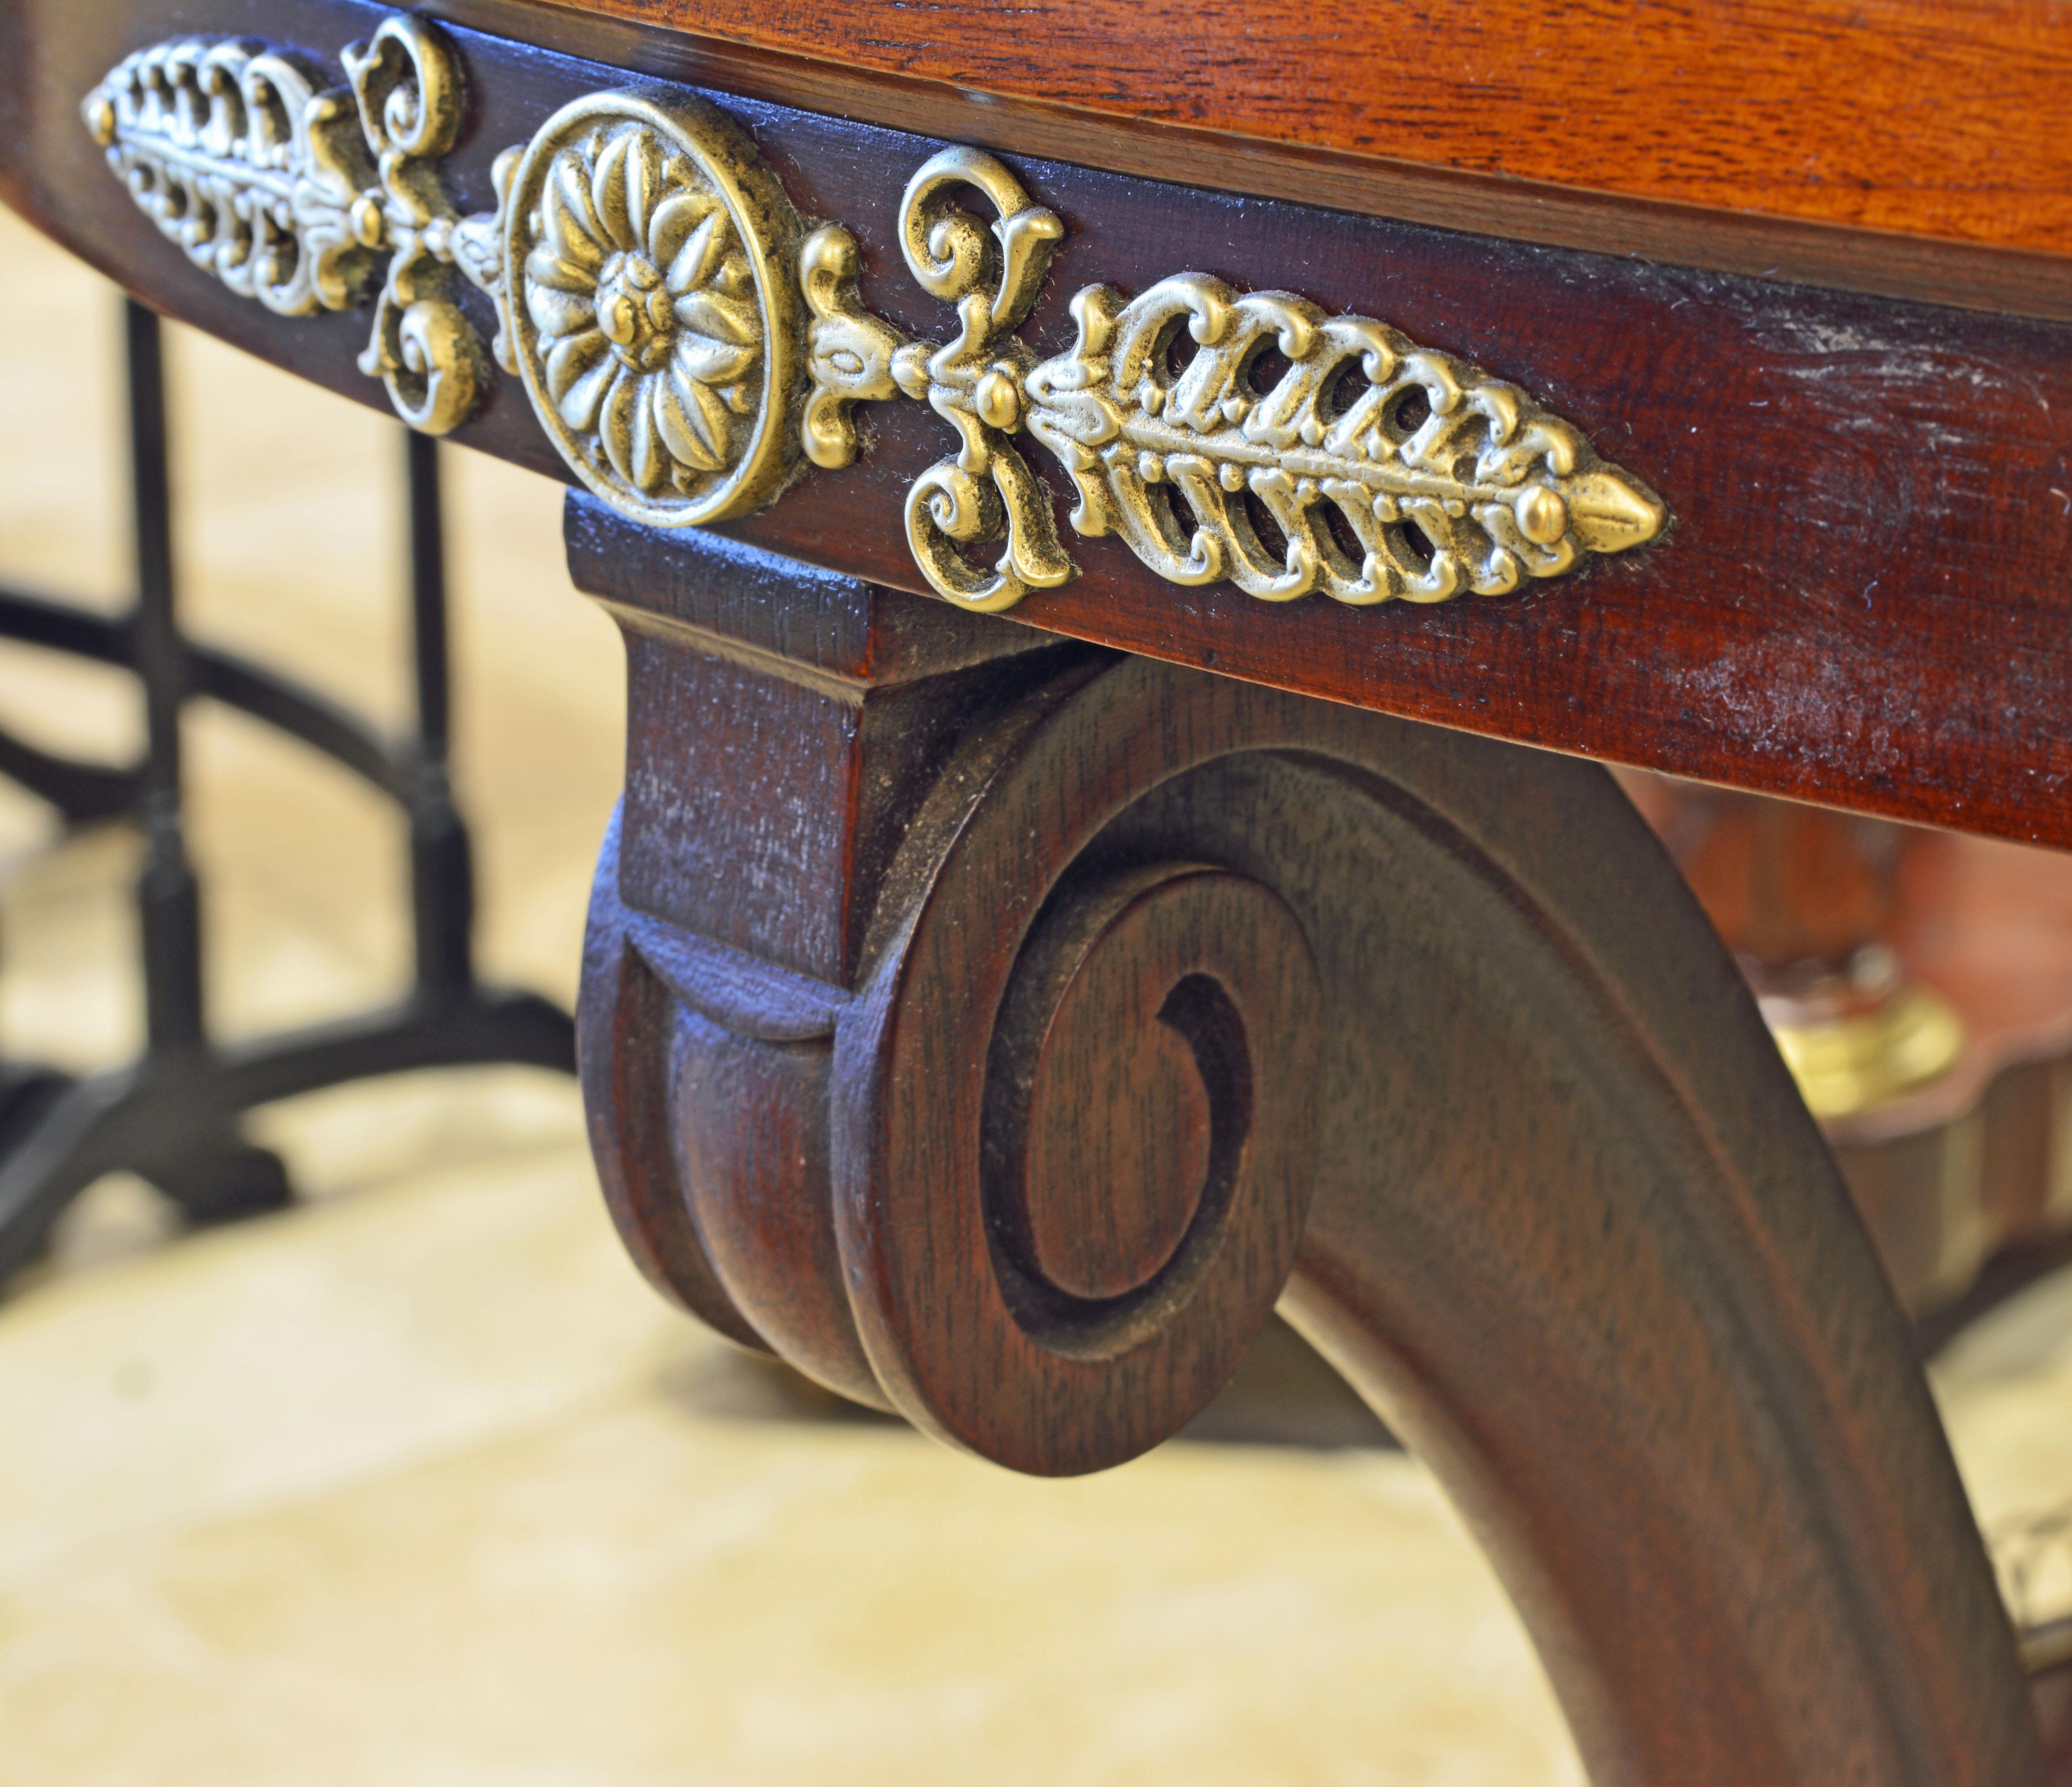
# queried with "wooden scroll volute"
point(979, 1023)
point(1041, 1208)
point(996, 1121)
point(1081, 1106)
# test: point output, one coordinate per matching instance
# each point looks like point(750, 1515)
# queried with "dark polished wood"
point(1000, 1026)
point(1400, 1022)
point(1861, 599)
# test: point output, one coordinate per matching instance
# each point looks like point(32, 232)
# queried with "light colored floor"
point(418, 1484)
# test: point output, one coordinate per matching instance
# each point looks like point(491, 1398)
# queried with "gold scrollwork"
point(1223, 436)
point(682, 345)
point(292, 195)
point(407, 84)
point(853, 357)
point(640, 261)
point(977, 383)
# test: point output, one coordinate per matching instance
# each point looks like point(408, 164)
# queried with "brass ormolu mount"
point(292, 195)
point(683, 338)
point(1368, 467)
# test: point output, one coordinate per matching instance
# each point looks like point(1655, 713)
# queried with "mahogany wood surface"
point(999, 1027)
point(1862, 598)
point(1521, 1155)
point(1932, 118)
point(1803, 248)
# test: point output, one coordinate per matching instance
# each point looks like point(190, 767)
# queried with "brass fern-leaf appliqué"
point(1223, 436)
point(1254, 438)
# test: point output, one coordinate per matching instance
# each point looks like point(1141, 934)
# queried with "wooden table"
point(1096, 499)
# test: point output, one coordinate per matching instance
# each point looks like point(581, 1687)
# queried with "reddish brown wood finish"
point(1936, 117)
point(1939, 269)
point(1796, 893)
point(1565, 1223)
point(1513, 1153)
point(1863, 599)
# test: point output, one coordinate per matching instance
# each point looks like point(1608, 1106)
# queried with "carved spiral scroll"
point(1060, 1259)
point(1122, 1100)
point(1562, 1217)
point(1118, 1123)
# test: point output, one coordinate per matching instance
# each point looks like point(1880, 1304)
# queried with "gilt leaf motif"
point(307, 199)
point(1255, 439)
point(652, 291)
point(230, 148)
point(1223, 436)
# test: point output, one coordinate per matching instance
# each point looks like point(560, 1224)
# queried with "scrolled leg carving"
point(1169, 996)
point(627, 1022)
point(1074, 1185)
point(1156, 1021)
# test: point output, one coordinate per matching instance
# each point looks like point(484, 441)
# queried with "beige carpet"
point(418, 1483)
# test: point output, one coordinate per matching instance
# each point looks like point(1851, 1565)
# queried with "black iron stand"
point(172, 1115)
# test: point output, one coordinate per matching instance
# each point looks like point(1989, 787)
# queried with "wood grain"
point(1806, 250)
point(1863, 600)
point(1559, 1214)
point(1927, 117)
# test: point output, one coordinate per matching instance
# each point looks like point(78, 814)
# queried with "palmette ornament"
point(311, 199)
point(1366, 467)
point(684, 340)
point(1370, 468)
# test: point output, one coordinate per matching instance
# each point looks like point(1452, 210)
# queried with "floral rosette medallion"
point(651, 270)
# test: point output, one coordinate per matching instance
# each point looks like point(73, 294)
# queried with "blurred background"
point(415, 1481)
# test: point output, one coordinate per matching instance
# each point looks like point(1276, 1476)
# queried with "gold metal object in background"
point(647, 278)
point(1847, 1064)
point(659, 319)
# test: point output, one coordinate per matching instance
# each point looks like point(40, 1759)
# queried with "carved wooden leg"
point(998, 1031)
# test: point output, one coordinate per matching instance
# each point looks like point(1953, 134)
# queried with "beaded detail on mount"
point(683, 339)
point(1246, 437)
point(312, 200)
